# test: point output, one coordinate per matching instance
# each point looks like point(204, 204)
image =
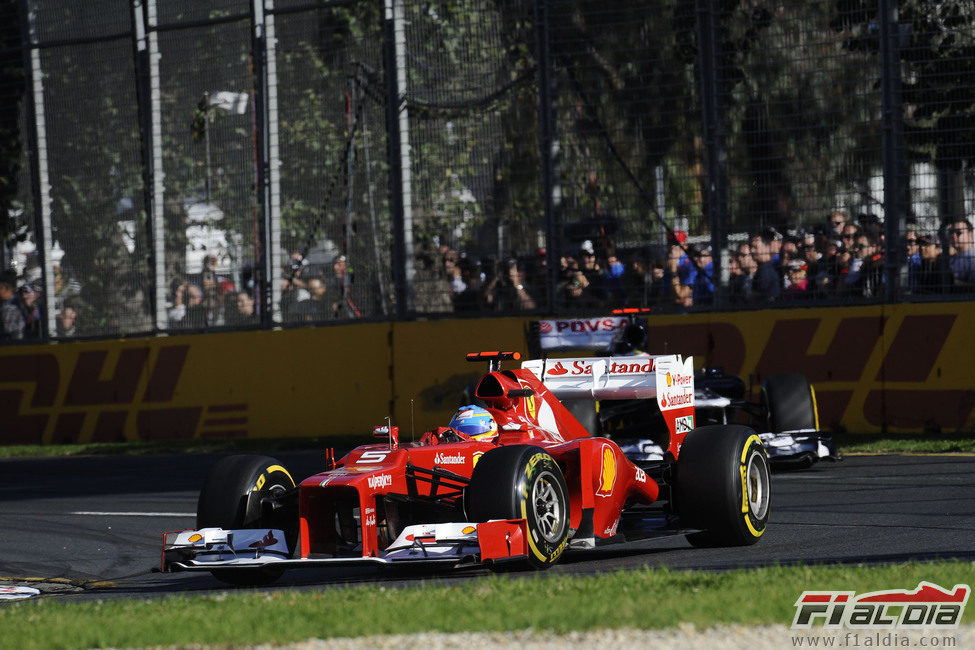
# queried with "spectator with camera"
point(11, 317)
point(866, 275)
point(741, 274)
point(962, 256)
point(767, 284)
point(933, 275)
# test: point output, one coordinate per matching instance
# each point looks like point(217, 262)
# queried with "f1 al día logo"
point(928, 606)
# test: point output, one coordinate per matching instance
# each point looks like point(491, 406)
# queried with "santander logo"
point(268, 540)
point(449, 459)
point(558, 369)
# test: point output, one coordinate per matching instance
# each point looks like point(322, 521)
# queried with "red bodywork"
point(600, 479)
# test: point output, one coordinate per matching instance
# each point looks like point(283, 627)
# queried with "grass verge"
point(916, 443)
point(643, 599)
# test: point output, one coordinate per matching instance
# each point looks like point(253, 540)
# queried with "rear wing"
point(668, 378)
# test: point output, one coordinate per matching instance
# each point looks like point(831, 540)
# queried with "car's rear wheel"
point(523, 482)
point(790, 402)
point(234, 496)
point(723, 485)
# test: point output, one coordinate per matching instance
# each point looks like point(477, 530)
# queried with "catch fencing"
point(182, 166)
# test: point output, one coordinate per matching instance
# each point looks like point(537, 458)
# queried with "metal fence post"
point(397, 135)
point(37, 144)
point(895, 176)
point(712, 119)
point(551, 194)
point(268, 185)
point(146, 53)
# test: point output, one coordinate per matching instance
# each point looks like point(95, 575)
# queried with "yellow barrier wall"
point(430, 368)
point(902, 367)
point(259, 384)
point(898, 368)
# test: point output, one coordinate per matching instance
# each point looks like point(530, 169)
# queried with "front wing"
point(800, 448)
point(453, 543)
point(785, 449)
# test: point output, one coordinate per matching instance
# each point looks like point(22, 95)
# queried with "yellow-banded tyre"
point(790, 401)
point(723, 486)
point(241, 492)
point(523, 482)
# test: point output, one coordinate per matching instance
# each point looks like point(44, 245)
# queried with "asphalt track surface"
point(91, 527)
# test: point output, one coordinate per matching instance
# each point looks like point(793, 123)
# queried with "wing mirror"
point(389, 432)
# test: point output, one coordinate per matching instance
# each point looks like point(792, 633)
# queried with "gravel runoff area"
point(685, 637)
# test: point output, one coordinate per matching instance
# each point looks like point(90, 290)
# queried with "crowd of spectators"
point(21, 305)
point(317, 292)
point(841, 258)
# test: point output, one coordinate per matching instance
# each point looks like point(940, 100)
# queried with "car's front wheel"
point(523, 482)
point(234, 496)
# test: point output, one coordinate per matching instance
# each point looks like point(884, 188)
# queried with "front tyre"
point(723, 485)
point(523, 482)
point(237, 494)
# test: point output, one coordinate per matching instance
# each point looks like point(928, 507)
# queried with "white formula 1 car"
point(785, 416)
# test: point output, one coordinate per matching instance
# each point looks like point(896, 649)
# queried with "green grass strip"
point(919, 443)
point(644, 599)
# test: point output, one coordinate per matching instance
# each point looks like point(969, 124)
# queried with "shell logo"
point(196, 537)
point(467, 530)
point(670, 379)
point(607, 472)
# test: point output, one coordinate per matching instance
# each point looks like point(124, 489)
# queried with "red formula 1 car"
point(523, 490)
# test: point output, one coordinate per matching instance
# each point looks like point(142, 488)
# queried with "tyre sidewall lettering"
point(269, 473)
point(544, 551)
point(753, 445)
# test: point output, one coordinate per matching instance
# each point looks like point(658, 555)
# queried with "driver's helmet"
point(475, 422)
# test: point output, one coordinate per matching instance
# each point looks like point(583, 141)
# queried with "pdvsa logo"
point(927, 606)
point(590, 325)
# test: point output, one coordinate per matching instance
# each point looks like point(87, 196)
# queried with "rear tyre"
point(523, 482)
point(790, 402)
point(232, 498)
point(723, 485)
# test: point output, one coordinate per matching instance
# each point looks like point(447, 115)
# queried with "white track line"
point(89, 513)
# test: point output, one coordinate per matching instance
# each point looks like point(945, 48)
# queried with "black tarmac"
point(91, 527)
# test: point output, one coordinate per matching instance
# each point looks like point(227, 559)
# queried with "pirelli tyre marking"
point(755, 485)
point(544, 506)
point(271, 469)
